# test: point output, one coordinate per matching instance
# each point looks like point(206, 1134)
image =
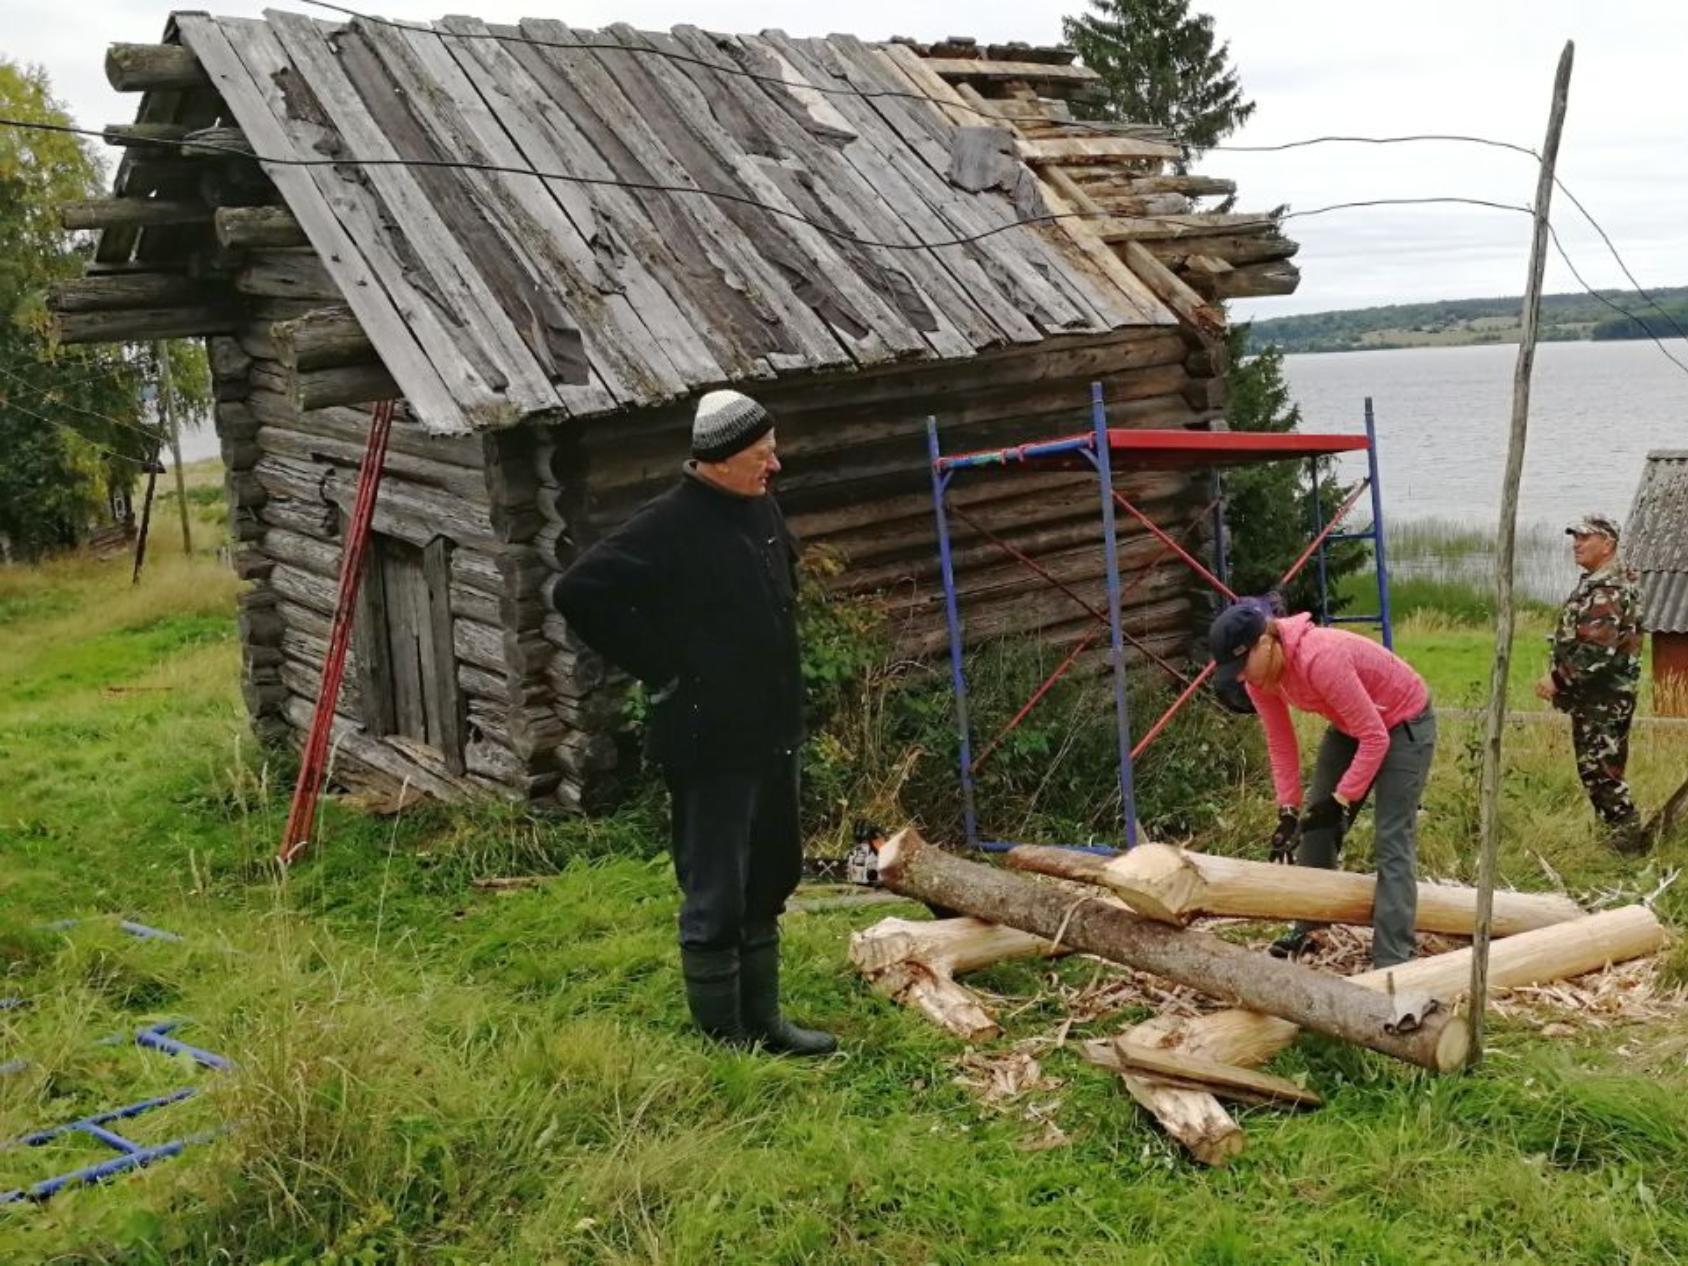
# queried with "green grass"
point(427, 1073)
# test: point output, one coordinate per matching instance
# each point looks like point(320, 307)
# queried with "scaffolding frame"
point(1101, 450)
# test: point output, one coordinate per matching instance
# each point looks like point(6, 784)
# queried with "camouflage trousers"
point(1600, 739)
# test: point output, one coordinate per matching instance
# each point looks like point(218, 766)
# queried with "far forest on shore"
point(1565, 318)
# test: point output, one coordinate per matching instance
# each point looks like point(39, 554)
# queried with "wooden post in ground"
point(1505, 552)
point(167, 424)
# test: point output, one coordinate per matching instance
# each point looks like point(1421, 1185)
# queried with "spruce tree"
point(1160, 64)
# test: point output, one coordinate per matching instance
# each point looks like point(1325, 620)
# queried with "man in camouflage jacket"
point(1596, 667)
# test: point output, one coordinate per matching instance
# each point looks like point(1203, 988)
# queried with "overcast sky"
point(1480, 67)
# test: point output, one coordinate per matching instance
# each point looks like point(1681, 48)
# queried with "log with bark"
point(1327, 1004)
point(1175, 885)
point(916, 963)
point(1247, 1038)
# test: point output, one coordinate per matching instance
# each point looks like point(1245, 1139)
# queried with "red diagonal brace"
point(1084, 644)
point(1294, 570)
point(1344, 508)
point(1190, 559)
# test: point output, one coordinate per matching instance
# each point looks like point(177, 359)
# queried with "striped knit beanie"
point(727, 422)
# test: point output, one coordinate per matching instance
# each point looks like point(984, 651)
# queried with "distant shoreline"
point(1566, 318)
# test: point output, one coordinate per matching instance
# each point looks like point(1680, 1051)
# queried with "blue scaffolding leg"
point(952, 613)
point(1383, 613)
point(1316, 511)
point(1110, 551)
point(1221, 556)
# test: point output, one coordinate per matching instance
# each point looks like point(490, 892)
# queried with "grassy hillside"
point(429, 1073)
point(1463, 322)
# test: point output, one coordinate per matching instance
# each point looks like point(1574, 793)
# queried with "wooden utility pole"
point(167, 424)
point(1505, 551)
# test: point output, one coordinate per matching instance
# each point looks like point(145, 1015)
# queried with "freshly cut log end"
point(915, 963)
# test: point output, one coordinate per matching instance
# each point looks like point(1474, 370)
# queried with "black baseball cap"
point(1233, 632)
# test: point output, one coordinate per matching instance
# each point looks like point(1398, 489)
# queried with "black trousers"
point(738, 849)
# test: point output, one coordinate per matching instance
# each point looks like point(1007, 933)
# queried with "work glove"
point(1282, 847)
point(1326, 815)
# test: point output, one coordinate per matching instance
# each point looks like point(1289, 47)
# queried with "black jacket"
point(696, 596)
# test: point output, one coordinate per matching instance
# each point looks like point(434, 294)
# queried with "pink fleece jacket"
point(1351, 681)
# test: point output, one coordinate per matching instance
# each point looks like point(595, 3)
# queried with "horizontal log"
point(347, 457)
point(295, 274)
point(1234, 249)
point(120, 291)
point(216, 142)
point(257, 228)
point(993, 71)
point(1076, 150)
point(342, 385)
point(145, 67)
point(132, 325)
point(327, 336)
point(313, 518)
point(1134, 185)
point(131, 213)
point(1278, 277)
point(154, 137)
point(1327, 1004)
point(275, 409)
point(1176, 885)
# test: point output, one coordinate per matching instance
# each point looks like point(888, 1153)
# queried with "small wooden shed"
point(499, 260)
point(1655, 543)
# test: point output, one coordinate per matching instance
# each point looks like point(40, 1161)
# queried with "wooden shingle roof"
point(534, 221)
point(493, 295)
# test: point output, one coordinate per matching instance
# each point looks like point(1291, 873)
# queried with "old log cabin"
point(547, 336)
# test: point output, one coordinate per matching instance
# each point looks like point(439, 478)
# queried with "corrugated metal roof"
point(1655, 540)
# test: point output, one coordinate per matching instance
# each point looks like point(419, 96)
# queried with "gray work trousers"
point(1395, 796)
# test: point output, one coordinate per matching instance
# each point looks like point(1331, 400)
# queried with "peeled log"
point(1247, 1038)
point(1326, 1004)
point(916, 964)
point(1174, 885)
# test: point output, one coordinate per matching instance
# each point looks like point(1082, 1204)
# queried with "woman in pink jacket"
point(1381, 739)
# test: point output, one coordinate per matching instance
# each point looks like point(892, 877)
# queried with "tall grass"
point(430, 1074)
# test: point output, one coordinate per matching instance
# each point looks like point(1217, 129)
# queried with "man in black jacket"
point(696, 596)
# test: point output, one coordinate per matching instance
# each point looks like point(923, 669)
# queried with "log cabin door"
point(407, 662)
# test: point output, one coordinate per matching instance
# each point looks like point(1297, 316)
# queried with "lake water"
point(1443, 414)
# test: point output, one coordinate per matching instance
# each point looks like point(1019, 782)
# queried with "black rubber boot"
point(1295, 942)
point(712, 992)
point(759, 984)
point(1630, 837)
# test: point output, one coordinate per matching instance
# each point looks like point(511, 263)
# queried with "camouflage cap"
point(1594, 525)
